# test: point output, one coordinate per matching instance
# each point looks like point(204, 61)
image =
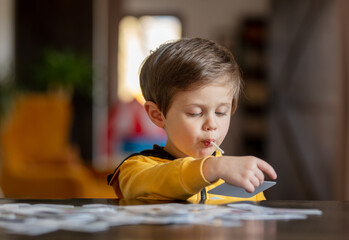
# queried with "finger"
point(249, 187)
point(255, 181)
point(267, 168)
point(260, 176)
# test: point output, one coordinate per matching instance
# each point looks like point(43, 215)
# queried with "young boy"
point(191, 88)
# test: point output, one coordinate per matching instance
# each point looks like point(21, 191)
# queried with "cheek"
point(184, 130)
point(224, 127)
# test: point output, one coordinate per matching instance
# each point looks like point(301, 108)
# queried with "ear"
point(154, 114)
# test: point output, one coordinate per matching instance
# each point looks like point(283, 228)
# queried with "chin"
point(204, 153)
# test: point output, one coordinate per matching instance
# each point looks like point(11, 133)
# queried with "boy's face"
point(197, 117)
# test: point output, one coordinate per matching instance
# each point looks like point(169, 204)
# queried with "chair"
point(37, 158)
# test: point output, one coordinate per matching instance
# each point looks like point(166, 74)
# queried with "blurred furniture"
point(252, 55)
point(37, 158)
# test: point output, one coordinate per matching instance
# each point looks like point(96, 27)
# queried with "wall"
point(202, 18)
point(306, 116)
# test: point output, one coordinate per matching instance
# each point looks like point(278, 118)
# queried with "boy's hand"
point(246, 172)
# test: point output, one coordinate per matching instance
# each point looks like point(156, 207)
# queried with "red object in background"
point(129, 121)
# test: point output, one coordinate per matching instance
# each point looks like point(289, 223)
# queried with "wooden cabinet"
point(252, 57)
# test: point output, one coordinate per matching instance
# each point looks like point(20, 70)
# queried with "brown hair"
point(186, 64)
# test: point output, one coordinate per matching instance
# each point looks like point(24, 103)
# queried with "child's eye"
point(221, 113)
point(194, 114)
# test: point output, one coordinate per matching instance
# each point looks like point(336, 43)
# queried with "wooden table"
point(333, 224)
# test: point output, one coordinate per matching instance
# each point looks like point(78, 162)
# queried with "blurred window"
point(137, 37)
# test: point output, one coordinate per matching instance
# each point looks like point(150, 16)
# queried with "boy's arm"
point(142, 177)
point(245, 172)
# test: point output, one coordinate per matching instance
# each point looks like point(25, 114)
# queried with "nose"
point(210, 123)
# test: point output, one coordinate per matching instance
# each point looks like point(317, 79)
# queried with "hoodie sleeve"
point(150, 178)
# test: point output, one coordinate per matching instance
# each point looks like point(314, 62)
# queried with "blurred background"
point(71, 109)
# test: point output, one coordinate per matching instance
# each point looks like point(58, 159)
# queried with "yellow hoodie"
point(157, 175)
